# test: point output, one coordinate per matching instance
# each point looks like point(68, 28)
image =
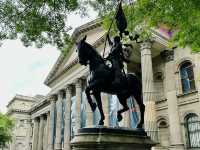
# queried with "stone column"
point(46, 132)
point(148, 89)
point(58, 144)
point(51, 123)
point(41, 133)
point(67, 129)
point(35, 134)
point(28, 136)
point(176, 141)
point(78, 103)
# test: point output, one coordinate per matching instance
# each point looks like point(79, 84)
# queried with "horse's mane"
point(95, 52)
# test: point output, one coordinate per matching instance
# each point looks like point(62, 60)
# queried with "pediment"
point(93, 31)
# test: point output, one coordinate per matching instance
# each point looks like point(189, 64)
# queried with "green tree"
point(37, 21)
point(181, 17)
point(6, 126)
point(45, 22)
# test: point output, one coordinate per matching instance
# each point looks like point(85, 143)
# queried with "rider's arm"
point(123, 57)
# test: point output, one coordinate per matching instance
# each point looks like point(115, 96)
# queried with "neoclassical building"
point(171, 92)
point(19, 109)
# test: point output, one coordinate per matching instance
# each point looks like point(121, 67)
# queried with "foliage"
point(70, 42)
point(45, 22)
point(181, 17)
point(37, 21)
point(6, 126)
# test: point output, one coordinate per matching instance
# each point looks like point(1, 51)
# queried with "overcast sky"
point(23, 70)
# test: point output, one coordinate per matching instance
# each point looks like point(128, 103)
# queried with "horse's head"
point(83, 50)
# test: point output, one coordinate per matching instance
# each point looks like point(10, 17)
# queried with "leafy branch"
point(182, 18)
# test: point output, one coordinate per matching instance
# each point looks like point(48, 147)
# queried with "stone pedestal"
point(111, 139)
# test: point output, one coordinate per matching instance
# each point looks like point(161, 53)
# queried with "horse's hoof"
point(93, 106)
point(119, 117)
point(139, 126)
point(101, 123)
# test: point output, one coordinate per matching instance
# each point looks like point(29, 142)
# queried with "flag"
point(121, 21)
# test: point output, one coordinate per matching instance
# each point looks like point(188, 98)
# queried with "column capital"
point(146, 45)
point(167, 55)
point(68, 87)
point(52, 98)
point(60, 94)
point(78, 83)
point(36, 119)
point(47, 113)
point(29, 121)
point(61, 91)
point(42, 116)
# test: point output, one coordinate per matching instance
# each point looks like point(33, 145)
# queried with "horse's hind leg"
point(138, 98)
point(123, 102)
point(92, 104)
point(97, 96)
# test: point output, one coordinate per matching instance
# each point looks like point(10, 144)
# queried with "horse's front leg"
point(97, 96)
point(123, 102)
point(92, 104)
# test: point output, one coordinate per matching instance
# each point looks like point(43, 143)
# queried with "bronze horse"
point(101, 81)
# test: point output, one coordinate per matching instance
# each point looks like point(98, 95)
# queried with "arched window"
point(187, 77)
point(192, 124)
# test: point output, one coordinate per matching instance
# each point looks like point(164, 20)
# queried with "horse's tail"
point(134, 83)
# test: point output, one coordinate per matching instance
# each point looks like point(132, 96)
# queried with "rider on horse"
point(117, 58)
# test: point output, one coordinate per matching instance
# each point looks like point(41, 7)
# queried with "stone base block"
point(177, 147)
point(103, 138)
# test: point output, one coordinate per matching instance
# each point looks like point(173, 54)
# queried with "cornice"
point(86, 27)
point(39, 105)
point(158, 37)
point(82, 29)
point(54, 68)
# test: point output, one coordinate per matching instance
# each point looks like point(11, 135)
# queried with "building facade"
point(19, 109)
point(171, 91)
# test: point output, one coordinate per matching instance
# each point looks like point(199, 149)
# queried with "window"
point(187, 77)
point(192, 124)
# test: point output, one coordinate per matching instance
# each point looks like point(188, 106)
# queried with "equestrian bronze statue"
point(102, 79)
